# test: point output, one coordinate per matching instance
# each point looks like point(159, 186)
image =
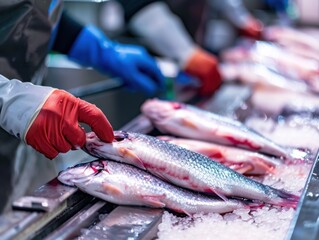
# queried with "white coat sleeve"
point(19, 104)
point(163, 31)
point(234, 10)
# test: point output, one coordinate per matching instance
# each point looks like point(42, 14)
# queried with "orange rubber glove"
point(56, 127)
point(252, 28)
point(204, 66)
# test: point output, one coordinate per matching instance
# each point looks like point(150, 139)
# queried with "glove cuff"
point(204, 66)
point(36, 113)
point(19, 103)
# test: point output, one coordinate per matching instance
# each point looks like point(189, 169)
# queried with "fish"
point(294, 40)
point(125, 184)
point(184, 168)
point(279, 59)
point(258, 75)
point(184, 120)
point(241, 160)
point(281, 100)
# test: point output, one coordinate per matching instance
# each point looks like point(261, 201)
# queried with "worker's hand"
point(131, 63)
point(136, 67)
point(55, 129)
point(252, 28)
point(204, 66)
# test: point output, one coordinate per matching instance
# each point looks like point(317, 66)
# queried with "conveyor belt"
point(57, 210)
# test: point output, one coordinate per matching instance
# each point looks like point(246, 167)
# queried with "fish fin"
point(181, 210)
point(134, 159)
point(219, 194)
point(188, 123)
point(154, 200)
point(244, 168)
point(109, 188)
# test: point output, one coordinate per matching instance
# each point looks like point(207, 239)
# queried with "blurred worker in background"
point(47, 118)
point(178, 35)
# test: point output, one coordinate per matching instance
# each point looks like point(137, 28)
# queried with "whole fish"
point(240, 160)
point(184, 168)
point(258, 75)
point(187, 121)
point(294, 40)
point(277, 58)
point(125, 184)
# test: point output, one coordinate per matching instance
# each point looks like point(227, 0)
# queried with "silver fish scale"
point(218, 176)
point(211, 127)
point(234, 125)
point(144, 184)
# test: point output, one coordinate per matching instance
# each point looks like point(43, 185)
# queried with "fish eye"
point(120, 136)
point(97, 166)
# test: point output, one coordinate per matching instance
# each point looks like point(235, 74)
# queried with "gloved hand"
point(204, 66)
point(252, 28)
point(279, 6)
point(132, 63)
point(55, 129)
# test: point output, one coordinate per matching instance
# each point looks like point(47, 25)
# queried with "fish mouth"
point(81, 172)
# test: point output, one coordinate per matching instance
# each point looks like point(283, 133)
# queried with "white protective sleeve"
point(163, 31)
point(234, 10)
point(19, 104)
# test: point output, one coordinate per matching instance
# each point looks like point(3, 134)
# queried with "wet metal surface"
point(46, 208)
point(126, 223)
point(305, 225)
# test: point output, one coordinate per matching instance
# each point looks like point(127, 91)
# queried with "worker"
point(43, 117)
point(165, 33)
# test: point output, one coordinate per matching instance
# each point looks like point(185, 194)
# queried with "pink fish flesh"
point(187, 121)
point(240, 160)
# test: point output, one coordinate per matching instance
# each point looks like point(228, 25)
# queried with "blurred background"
point(216, 34)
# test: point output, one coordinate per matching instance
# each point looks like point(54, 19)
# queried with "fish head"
point(81, 172)
point(157, 110)
point(97, 148)
point(122, 149)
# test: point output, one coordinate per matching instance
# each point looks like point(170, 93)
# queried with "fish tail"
point(252, 204)
point(255, 205)
point(298, 156)
point(286, 199)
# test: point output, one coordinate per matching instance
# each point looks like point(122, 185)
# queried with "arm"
point(165, 33)
point(238, 15)
point(89, 46)
point(47, 118)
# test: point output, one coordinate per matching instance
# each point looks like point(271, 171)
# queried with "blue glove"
point(131, 63)
point(278, 5)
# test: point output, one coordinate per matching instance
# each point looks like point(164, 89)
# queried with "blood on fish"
point(162, 169)
point(243, 142)
point(157, 168)
point(186, 178)
point(209, 190)
point(216, 154)
point(177, 105)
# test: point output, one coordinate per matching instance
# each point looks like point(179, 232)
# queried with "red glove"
point(56, 128)
point(253, 28)
point(204, 66)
